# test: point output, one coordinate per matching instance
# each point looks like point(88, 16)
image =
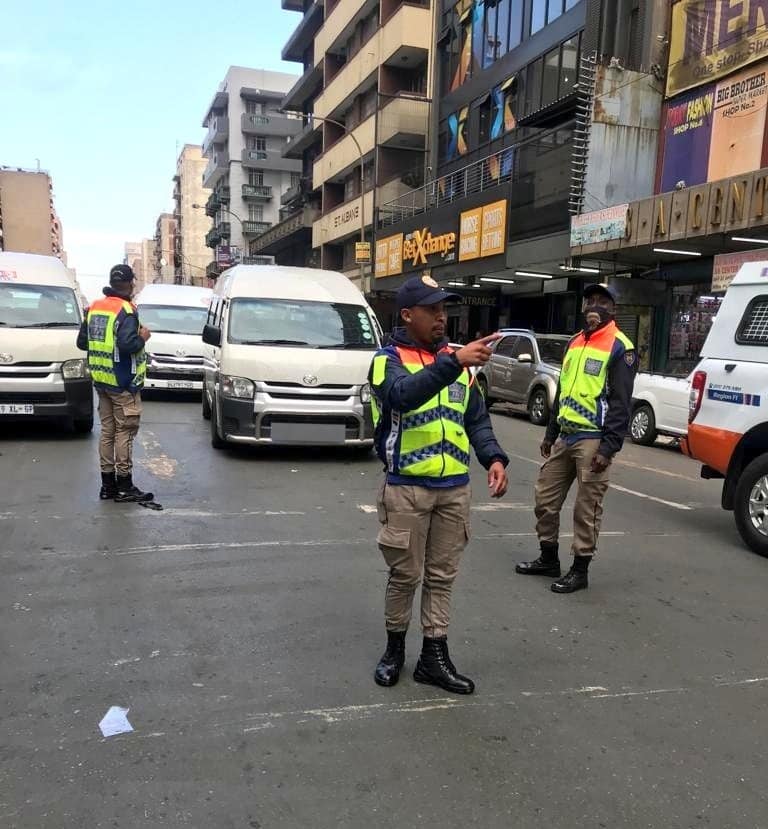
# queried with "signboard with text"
point(725, 266)
point(482, 231)
point(599, 225)
point(389, 256)
point(687, 130)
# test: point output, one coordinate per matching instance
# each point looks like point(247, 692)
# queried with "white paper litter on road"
point(115, 722)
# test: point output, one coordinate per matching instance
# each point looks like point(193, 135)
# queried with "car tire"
point(747, 505)
point(483, 386)
point(538, 407)
point(206, 405)
point(217, 441)
point(642, 425)
point(82, 425)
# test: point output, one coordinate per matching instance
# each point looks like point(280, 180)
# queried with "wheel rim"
point(758, 505)
point(640, 424)
point(537, 406)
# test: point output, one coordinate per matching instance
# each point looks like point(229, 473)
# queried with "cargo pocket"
point(394, 544)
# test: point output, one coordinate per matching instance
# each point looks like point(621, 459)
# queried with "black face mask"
point(604, 314)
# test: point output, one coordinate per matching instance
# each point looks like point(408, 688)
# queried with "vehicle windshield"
point(173, 319)
point(289, 322)
point(551, 350)
point(38, 306)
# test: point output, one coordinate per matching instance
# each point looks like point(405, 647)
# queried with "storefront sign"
point(389, 256)
point(475, 300)
point(362, 252)
point(344, 217)
point(726, 265)
point(421, 243)
point(686, 138)
point(483, 231)
point(599, 226)
point(711, 38)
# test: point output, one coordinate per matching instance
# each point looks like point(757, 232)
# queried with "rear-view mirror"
point(525, 358)
point(212, 335)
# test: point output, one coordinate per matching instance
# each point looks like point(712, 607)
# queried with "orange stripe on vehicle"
point(713, 447)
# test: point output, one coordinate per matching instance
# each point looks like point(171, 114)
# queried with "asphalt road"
point(240, 627)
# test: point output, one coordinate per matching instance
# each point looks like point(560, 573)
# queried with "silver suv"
point(524, 369)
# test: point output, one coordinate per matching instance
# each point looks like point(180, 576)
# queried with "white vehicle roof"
point(752, 273)
point(34, 269)
point(187, 296)
point(283, 282)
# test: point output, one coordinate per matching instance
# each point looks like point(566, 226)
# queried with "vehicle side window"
point(523, 346)
point(506, 346)
point(212, 311)
point(753, 328)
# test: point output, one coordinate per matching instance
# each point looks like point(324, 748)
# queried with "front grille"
point(181, 361)
point(278, 383)
point(32, 397)
point(24, 375)
point(299, 396)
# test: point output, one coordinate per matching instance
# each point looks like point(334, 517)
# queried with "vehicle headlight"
point(74, 369)
point(236, 386)
point(365, 393)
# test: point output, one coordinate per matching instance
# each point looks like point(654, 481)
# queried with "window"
point(351, 186)
point(35, 306)
point(753, 328)
point(484, 119)
point(261, 143)
point(522, 346)
point(533, 86)
point(555, 10)
point(254, 107)
point(256, 178)
point(368, 104)
point(506, 347)
point(551, 77)
point(255, 212)
point(569, 4)
point(295, 180)
point(569, 66)
point(538, 15)
point(173, 319)
point(551, 350)
point(491, 42)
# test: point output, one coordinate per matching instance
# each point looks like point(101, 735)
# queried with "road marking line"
point(673, 504)
point(658, 471)
point(371, 508)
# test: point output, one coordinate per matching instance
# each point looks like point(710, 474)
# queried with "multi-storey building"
point(364, 106)
point(28, 219)
point(132, 257)
point(191, 255)
point(165, 247)
point(246, 170)
point(149, 264)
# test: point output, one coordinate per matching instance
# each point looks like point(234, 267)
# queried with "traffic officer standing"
point(586, 429)
point(114, 340)
point(428, 411)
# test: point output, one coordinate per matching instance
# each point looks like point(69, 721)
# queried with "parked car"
point(524, 369)
point(728, 423)
point(659, 407)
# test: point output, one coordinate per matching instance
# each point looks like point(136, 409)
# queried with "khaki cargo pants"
point(119, 413)
point(424, 531)
point(565, 465)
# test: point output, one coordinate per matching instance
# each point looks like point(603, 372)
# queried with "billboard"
point(711, 38)
point(482, 231)
point(389, 256)
point(686, 136)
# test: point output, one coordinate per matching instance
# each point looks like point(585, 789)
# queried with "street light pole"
point(362, 177)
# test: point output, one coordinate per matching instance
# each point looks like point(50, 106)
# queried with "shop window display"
point(693, 311)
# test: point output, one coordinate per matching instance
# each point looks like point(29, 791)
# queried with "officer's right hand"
point(545, 448)
point(477, 353)
point(144, 333)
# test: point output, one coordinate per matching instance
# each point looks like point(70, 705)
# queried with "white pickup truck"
point(659, 407)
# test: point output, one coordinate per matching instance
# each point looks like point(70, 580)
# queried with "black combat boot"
point(108, 486)
point(127, 492)
point(576, 578)
point(547, 564)
point(435, 668)
point(391, 663)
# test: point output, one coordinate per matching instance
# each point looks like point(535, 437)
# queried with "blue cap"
point(422, 290)
point(597, 288)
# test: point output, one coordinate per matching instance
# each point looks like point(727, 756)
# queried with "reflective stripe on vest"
point(583, 398)
point(103, 352)
point(433, 440)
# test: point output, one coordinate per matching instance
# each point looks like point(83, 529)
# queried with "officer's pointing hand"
point(497, 479)
point(478, 352)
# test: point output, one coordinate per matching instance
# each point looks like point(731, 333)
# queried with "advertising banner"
point(686, 131)
point(599, 226)
point(725, 266)
point(389, 256)
point(738, 125)
point(711, 38)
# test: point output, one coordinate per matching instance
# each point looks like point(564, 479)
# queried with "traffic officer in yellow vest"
point(586, 429)
point(114, 340)
point(427, 411)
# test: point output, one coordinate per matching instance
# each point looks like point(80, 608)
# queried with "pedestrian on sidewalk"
point(428, 411)
point(586, 429)
point(114, 339)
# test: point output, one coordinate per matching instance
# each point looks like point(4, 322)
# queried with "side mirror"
point(212, 335)
point(525, 358)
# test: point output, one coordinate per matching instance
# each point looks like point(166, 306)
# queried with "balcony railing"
point(224, 229)
point(255, 228)
point(212, 270)
point(212, 238)
point(257, 192)
point(223, 193)
point(213, 204)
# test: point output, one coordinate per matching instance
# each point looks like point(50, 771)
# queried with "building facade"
point(132, 257)
point(364, 106)
point(246, 171)
point(164, 248)
point(28, 219)
point(191, 255)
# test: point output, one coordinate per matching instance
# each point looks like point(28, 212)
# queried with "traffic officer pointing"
point(586, 429)
point(428, 412)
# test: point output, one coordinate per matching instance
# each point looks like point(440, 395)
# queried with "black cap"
point(121, 274)
point(597, 288)
point(422, 290)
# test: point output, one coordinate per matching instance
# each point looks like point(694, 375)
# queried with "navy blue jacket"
point(403, 391)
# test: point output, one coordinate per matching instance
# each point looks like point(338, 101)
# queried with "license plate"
point(180, 384)
point(16, 409)
point(313, 434)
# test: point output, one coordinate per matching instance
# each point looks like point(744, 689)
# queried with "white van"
point(175, 314)
point(287, 358)
point(42, 372)
point(728, 416)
